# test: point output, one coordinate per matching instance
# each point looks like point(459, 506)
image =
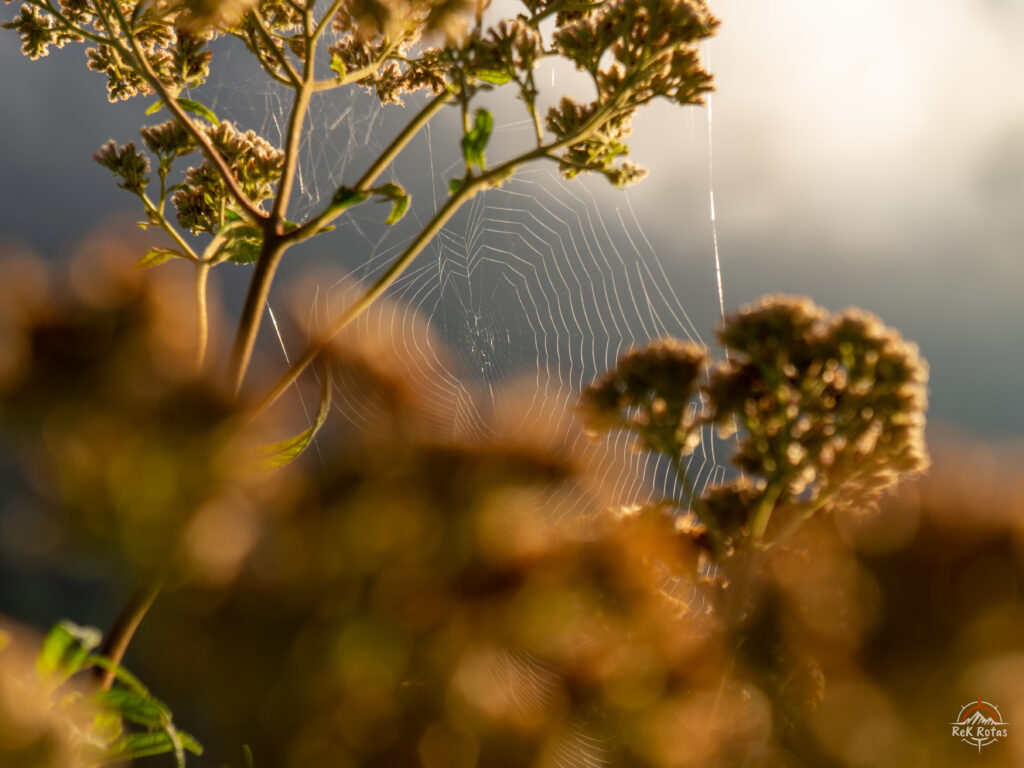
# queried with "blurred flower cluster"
point(406, 599)
point(409, 597)
point(97, 397)
point(35, 730)
point(828, 411)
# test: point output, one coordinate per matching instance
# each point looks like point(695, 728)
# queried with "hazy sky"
point(864, 153)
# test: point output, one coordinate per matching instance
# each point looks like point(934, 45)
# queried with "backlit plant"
point(239, 192)
point(410, 600)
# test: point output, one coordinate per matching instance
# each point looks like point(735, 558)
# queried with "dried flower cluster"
point(127, 164)
point(203, 203)
point(831, 408)
point(651, 391)
point(633, 53)
point(829, 411)
point(647, 49)
point(201, 200)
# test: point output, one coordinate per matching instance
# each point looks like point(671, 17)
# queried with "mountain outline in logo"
point(979, 724)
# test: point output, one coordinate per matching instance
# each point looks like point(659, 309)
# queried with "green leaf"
point(242, 251)
point(398, 196)
point(277, 455)
point(389, 190)
point(399, 209)
point(346, 197)
point(65, 650)
point(338, 66)
point(106, 727)
point(133, 707)
point(155, 256)
point(475, 141)
point(242, 243)
point(135, 745)
point(195, 108)
point(493, 76)
point(192, 107)
point(121, 674)
point(188, 741)
point(246, 231)
point(455, 185)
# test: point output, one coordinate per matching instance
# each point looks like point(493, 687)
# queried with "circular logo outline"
point(979, 724)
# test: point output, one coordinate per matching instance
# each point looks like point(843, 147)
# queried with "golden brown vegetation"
point(409, 599)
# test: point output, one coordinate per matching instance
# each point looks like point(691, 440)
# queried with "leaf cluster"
point(101, 725)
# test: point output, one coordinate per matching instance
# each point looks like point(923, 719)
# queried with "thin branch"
point(273, 245)
point(326, 20)
point(699, 506)
point(172, 105)
point(68, 24)
point(531, 107)
point(764, 510)
point(372, 173)
point(473, 183)
point(266, 64)
point(255, 300)
point(116, 643)
point(294, 136)
point(382, 284)
point(293, 76)
point(166, 226)
point(351, 77)
point(202, 313)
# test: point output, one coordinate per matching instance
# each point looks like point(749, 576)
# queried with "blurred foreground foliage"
point(408, 599)
point(50, 717)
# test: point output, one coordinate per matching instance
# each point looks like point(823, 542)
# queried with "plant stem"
point(291, 148)
point(292, 75)
point(699, 507)
point(325, 20)
point(202, 315)
point(491, 177)
point(211, 153)
point(372, 173)
point(166, 226)
point(255, 300)
point(383, 282)
point(764, 510)
point(273, 246)
point(123, 629)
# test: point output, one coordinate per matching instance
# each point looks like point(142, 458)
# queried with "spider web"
point(540, 279)
point(543, 282)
